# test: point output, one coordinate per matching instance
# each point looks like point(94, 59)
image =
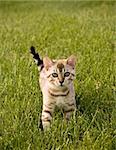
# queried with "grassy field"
point(58, 29)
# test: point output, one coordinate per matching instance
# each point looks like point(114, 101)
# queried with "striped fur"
point(56, 83)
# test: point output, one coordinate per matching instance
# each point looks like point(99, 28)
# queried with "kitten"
point(56, 83)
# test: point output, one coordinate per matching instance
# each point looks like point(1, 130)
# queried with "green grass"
point(58, 29)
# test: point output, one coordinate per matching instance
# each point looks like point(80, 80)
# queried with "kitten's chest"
point(61, 101)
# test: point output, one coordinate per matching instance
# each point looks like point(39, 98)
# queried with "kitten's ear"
point(47, 62)
point(71, 61)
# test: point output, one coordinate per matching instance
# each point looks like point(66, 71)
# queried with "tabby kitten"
point(56, 83)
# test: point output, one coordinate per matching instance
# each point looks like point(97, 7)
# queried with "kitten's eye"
point(54, 75)
point(67, 74)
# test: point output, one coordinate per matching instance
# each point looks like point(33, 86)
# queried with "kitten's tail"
point(36, 57)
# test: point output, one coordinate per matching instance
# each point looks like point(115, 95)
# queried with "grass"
point(58, 29)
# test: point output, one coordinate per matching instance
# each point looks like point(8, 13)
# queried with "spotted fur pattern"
point(56, 83)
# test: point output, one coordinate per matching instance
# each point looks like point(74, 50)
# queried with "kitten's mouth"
point(62, 85)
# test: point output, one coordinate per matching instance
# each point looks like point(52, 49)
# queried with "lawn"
point(58, 29)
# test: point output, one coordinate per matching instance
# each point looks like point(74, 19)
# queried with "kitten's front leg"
point(68, 114)
point(69, 109)
point(46, 118)
point(47, 112)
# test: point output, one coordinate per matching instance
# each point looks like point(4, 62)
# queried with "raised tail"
point(36, 57)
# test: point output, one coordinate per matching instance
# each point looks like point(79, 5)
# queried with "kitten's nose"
point(61, 82)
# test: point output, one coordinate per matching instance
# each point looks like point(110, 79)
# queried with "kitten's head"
point(61, 72)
